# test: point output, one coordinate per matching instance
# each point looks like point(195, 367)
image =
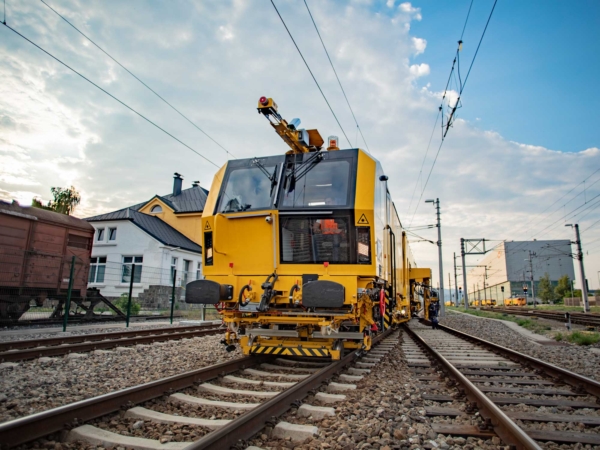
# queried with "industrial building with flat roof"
point(510, 266)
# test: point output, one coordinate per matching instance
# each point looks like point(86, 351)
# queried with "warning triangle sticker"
point(207, 226)
point(363, 220)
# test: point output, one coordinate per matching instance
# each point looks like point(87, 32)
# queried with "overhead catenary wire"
point(112, 96)
point(337, 77)
point(462, 86)
point(138, 79)
point(311, 72)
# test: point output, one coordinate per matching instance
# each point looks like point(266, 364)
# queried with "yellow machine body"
point(304, 253)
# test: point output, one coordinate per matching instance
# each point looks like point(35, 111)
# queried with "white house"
point(130, 243)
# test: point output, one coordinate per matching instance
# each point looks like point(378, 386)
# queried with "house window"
point(173, 267)
point(187, 269)
point(112, 234)
point(156, 209)
point(100, 234)
point(199, 271)
point(97, 270)
point(128, 262)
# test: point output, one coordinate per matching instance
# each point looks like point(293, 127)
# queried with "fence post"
point(68, 302)
point(203, 312)
point(173, 294)
point(130, 290)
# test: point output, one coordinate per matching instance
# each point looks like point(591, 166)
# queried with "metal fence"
point(38, 288)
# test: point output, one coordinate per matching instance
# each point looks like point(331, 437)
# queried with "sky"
point(520, 160)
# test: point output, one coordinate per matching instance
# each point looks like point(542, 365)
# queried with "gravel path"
point(579, 359)
point(37, 385)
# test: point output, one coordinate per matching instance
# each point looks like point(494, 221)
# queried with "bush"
point(121, 303)
point(583, 338)
point(559, 337)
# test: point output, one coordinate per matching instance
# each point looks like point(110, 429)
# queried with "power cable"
point(112, 96)
point(463, 84)
point(462, 87)
point(311, 73)
point(336, 76)
point(423, 163)
point(138, 79)
point(466, 20)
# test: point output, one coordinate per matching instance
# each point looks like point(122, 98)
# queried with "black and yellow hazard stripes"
point(289, 351)
point(387, 320)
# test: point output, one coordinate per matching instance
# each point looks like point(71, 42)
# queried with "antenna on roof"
point(196, 184)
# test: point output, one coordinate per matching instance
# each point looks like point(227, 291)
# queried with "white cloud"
point(390, 3)
point(419, 70)
point(419, 45)
point(408, 8)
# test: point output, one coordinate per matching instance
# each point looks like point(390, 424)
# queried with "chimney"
point(196, 184)
point(177, 181)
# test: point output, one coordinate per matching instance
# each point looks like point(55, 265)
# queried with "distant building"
point(507, 266)
point(160, 236)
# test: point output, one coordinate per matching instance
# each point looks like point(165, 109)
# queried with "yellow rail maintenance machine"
point(304, 253)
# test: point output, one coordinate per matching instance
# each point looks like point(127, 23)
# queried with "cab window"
point(247, 189)
point(325, 184)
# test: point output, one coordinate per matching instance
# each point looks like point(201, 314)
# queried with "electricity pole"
point(462, 254)
point(450, 286)
point(584, 292)
point(531, 255)
point(456, 281)
point(436, 202)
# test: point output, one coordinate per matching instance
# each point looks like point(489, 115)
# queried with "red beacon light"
point(263, 101)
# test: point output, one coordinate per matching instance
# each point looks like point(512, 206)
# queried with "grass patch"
point(529, 323)
point(583, 337)
point(558, 337)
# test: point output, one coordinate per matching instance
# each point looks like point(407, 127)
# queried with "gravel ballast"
point(40, 384)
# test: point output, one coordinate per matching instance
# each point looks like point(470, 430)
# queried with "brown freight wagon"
point(36, 250)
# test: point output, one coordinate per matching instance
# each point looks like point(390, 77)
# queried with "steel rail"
point(35, 426)
point(45, 342)
point(577, 318)
point(504, 427)
point(31, 353)
point(579, 382)
point(80, 320)
point(247, 425)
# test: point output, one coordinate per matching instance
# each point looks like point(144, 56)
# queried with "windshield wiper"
point(272, 178)
point(301, 170)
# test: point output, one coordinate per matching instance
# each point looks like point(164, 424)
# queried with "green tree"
point(65, 200)
point(563, 288)
point(545, 289)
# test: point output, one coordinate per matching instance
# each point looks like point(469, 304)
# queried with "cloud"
point(390, 3)
point(419, 44)
point(408, 8)
point(57, 130)
point(419, 70)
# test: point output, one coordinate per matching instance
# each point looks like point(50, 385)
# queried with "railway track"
point(96, 320)
point(54, 346)
point(524, 401)
point(591, 320)
point(251, 391)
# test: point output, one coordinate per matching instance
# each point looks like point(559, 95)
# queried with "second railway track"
point(526, 402)
point(54, 346)
point(591, 320)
